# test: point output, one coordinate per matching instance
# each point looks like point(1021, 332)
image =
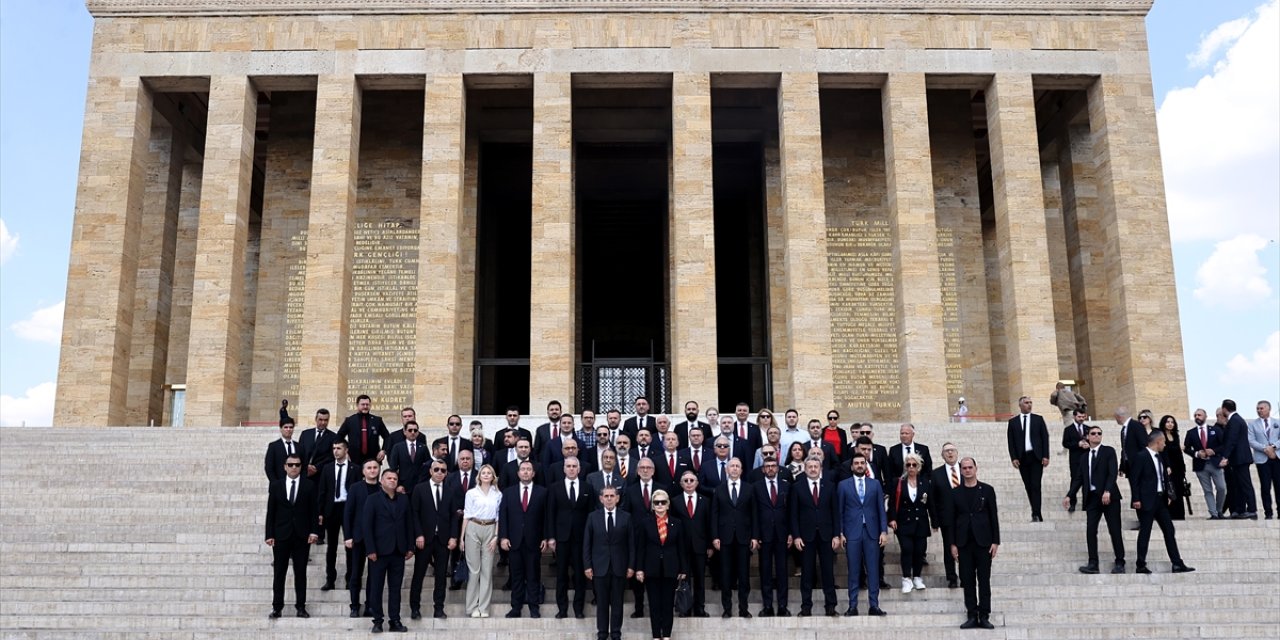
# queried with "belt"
point(484, 522)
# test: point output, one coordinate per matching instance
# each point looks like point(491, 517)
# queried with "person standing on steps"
point(975, 531)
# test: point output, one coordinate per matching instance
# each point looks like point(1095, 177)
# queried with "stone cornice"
point(106, 8)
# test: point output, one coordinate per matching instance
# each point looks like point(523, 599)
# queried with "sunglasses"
point(689, 480)
point(832, 418)
point(293, 464)
point(912, 465)
point(455, 424)
point(657, 502)
point(722, 446)
point(437, 470)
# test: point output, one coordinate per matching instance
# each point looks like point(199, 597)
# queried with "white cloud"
point(1220, 140)
point(1222, 36)
point(1233, 276)
point(8, 243)
point(1262, 367)
point(33, 409)
point(43, 325)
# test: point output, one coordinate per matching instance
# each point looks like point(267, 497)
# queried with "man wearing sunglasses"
point(455, 442)
point(436, 529)
point(292, 526)
point(1096, 475)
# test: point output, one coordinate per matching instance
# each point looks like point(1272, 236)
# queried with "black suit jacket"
point(940, 480)
point(435, 522)
point(709, 476)
point(291, 520)
point(1133, 440)
point(809, 521)
point(733, 522)
point(327, 486)
point(542, 434)
point(608, 553)
point(317, 450)
point(682, 432)
point(351, 432)
point(1105, 471)
point(895, 468)
point(973, 516)
point(273, 463)
point(521, 526)
point(1039, 437)
point(565, 519)
point(511, 474)
point(1192, 446)
point(632, 426)
point(411, 470)
point(658, 559)
point(633, 496)
point(829, 458)
point(773, 519)
point(464, 444)
point(1143, 481)
point(1071, 440)
point(662, 472)
point(697, 526)
point(1238, 442)
point(387, 524)
point(357, 495)
point(912, 516)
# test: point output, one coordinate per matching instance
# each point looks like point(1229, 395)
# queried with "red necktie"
point(690, 506)
point(364, 435)
point(464, 482)
point(742, 431)
point(646, 496)
point(671, 463)
point(815, 494)
point(1204, 440)
point(697, 459)
point(524, 502)
point(773, 493)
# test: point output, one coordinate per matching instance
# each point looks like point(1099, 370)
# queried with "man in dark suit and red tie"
point(1029, 451)
point(773, 526)
point(362, 431)
point(814, 527)
point(292, 526)
point(521, 521)
point(693, 508)
point(1097, 478)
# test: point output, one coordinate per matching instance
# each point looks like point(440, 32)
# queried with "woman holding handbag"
point(661, 548)
point(909, 519)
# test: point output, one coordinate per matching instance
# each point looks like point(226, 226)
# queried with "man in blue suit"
point(863, 531)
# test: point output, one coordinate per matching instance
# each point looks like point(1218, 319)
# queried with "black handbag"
point(461, 573)
point(684, 597)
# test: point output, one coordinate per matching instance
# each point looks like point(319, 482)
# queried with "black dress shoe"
point(561, 615)
point(1238, 516)
point(328, 586)
point(513, 614)
point(1089, 568)
point(377, 628)
point(455, 587)
point(302, 612)
point(766, 612)
point(355, 612)
point(398, 627)
point(275, 613)
point(439, 614)
point(831, 612)
point(1118, 568)
point(850, 612)
point(1037, 519)
point(368, 611)
point(580, 615)
point(970, 623)
point(723, 615)
point(415, 614)
point(884, 585)
point(1142, 568)
point(876, 611)
point(784, 613)
point(805, 613)
point(985, 623)
point(638, 613)
point(744, 614)
point(953, 583)
point(534, 613)
point(1182, 568)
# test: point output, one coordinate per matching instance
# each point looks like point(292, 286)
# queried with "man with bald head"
point(570, 501)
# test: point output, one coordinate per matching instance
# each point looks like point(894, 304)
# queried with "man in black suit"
point(878, 453)
point(896, 461)
point(1075, 439)
point(644, 445)
point(547, 430)
point(357, 495)
point(1097, 476)
point(335, 480)
point(569, 502)
point(453, 440)
point(278, 450)
point(386, 522)
point(667, 464)
point(362, 431)
point(609, 558)
point(945, 479)
point(436, 529)
point(641, 421)
point(317, 444)
point(457, 483)
point(813, 527)
point(570, 449)
point(511, 472)
point(1029, 451)
point(394, 438)
point(773, 526)
point(815, 441)
point(733, 535)
point(768, 453)
point(607, 475)
point(1205, 446)
point(521, 520)
point(691, 422)
point(513, 424)
point(864, 446)
point(553, 450)
point(1151, 494)
point(694, 509)
point(698, 451)
point(1244, 500)
point(407, 458)
point(975, 526)
point(292, 526)
point(746, 436)
point(637, 497)
point(1133, 438)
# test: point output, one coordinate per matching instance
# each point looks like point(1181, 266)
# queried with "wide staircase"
point(136, 532)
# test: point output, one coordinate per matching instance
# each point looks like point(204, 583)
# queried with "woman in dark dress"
point(661, 547)
point(909, 519)
point(1175, 468)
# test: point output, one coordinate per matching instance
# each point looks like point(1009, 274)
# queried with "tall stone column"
point(908, 168)
point(93, 368)
point(326, 296)
point(437, 374)
point(1030, 335)
point(217, 299)
point(1144, 324)
point(805, 243)
point(1059, 264)
point(694, 362)
point(552, 347)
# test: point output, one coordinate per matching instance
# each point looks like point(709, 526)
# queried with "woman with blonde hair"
point(661, 550)
point(909, 518)
point(480, 540)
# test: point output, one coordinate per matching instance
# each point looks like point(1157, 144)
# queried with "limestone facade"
point(931, 227)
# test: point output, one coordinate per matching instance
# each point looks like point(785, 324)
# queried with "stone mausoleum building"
point(872, 205)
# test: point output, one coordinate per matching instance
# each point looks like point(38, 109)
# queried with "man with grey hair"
point(1133, 438)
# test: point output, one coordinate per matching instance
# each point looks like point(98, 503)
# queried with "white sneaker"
point(906, 585)
point(475, 614)
point(919, 582)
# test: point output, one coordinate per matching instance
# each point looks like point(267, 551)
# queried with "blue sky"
point(1216, 70)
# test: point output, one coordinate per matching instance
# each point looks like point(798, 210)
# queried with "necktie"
point(1159, 473)
point(293, 490)
point(573, 491)
point(1079, 430)
point(453, 448)
point(773, 493)
point(288, 447)
point(815, 494)
point(524, 501)
point(1093, 457)
point(861, 491)
point(1204, 438)
point(690, 506)
point(646, 494)
point(464, 481)
point(337, 481)
point(608, 526)
point(413, 451)
point(437, 486)
point(662, 530)
point(671, 464)
point(906, 451)
point(722, 471)
point(364, 434)
point(742, 431)
point(697, 459)
point(608, 479)
point(955, 479)
point(733, 493)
